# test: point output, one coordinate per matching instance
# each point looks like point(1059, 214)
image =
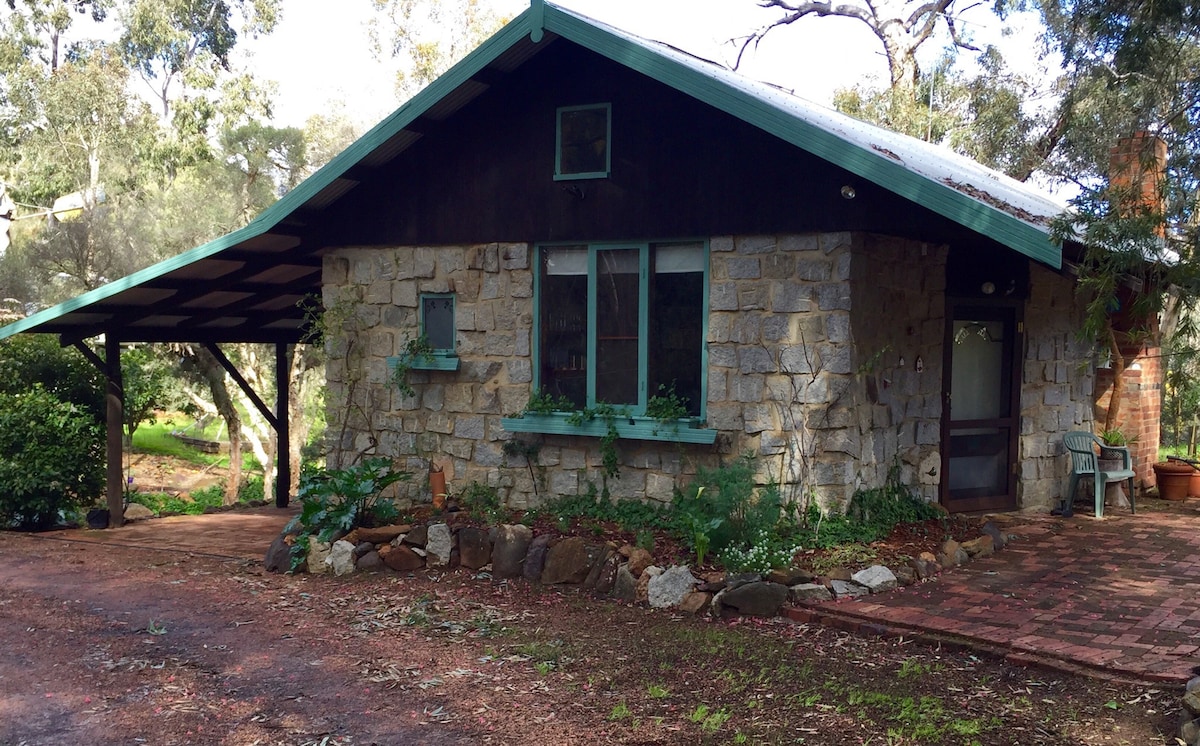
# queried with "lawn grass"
point(155, 438)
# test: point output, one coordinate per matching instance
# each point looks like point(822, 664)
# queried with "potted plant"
point(1115, 445)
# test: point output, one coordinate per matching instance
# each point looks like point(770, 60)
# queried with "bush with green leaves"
point(51, 459)
point(335, 501)
point(38, 359)
point(724, 508)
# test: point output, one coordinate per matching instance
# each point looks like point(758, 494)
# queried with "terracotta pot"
point(1194, 486)
point(1174, 479)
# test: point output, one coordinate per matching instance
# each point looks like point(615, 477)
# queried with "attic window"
point(581, 143)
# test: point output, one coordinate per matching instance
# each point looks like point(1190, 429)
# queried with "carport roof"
point(248, 286)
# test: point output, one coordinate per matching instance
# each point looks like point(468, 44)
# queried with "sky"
point(321, 60)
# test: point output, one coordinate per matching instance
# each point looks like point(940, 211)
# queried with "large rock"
point(809, 592)
point(999, 540)
point(370, 562)
point(926, 565)
point(848, 589)
point(602, 559)
point(509, 550)
point(570, 561)
point(695, 602)
point(535, 558)
point(625, 587)
point(341, 558)
point(279, 555)
point(474, 548)
point(761, 598)
point(790, 576)
point(416, 537)
point(403, 559)
point(641, 592)
point(639, 560)
point(875, 578)
point(138, 512)
point(318, 551)
point(984, 546)
point(669, 588)
point(438, 545)
point(383, 534)
point(607, 578)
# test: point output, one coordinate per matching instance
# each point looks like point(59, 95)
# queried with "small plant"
point(482, 502)
point(334, 501)
point(620, 711)
point(543, 402)
point(657, 692)
point(644, 540)
point(667, 405)
point(153, 628)
point(709, 721)
point(543, 667)
point(913, 668)
point(415, 350)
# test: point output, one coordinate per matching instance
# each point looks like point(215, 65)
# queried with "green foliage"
point(628, 515)
point(415, 350)
point(27, 360)
point(51, 458)
point(723, 508)
point(543, 402)
point(667, 405)
point(335, 501)
point(145, 379)
point(483, 503)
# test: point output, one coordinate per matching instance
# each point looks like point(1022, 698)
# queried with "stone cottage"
point(582, 260)
point(612, 226)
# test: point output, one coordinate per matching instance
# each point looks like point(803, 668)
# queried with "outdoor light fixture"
point(848, 192)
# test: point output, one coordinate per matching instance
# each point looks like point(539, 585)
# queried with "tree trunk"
point(1112, 417)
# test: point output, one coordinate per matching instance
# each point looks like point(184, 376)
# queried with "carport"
point(248, 286)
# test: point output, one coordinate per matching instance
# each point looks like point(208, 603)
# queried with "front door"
point(981, 407)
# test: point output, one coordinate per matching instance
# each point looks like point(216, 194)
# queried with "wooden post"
point(115, 441)
point(283, 449)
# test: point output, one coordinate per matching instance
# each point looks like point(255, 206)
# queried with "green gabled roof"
point(267, 264)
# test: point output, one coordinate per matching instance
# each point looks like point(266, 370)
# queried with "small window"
point(437, 322)
point(583, 134)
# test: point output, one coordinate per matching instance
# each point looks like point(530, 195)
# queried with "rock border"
point(619, 571)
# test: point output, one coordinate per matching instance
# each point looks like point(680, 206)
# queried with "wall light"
point(848, 192)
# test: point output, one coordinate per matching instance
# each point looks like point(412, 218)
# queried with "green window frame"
point(435, 323)
point(583, 142)
point(615, 321)
point(436, 319)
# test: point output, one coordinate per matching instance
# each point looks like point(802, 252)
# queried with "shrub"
point(722, 508)
point(51, 458)
point(29, 359)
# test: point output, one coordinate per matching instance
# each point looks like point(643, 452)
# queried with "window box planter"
point(424, 362)
point(686, 430)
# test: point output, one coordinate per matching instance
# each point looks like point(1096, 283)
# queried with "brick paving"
point(1119, 596)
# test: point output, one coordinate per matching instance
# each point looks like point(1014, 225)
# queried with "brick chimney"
point(1137, 166)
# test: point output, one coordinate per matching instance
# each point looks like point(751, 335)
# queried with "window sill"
point(425, 362)
point(633, 428)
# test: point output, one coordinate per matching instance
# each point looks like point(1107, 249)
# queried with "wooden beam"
point(114, 397)
point(283, 451)
point(243, 384)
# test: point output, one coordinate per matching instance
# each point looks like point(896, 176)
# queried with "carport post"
point(115, 415)
point(283, 448)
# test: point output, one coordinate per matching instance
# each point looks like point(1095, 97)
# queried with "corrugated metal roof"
point(225, 280)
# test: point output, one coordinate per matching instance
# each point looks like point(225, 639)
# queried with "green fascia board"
point(878, 169)
point(501, 41)
point(632, 428)
point(154, 271)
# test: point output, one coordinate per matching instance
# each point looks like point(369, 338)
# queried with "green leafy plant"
point(415, 350)
point(482, 502)
point(620, 711)
point(334, 501)
point(51, 459)
point(1116, 437)
point(543, 402)
point(667, 405)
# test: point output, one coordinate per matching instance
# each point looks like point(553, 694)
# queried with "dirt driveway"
point(125, 645)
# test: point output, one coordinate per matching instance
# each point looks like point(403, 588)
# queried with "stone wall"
point(899, 320)
point(1057, 387)
point(804, 373)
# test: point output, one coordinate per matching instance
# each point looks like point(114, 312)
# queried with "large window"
point(620, 323)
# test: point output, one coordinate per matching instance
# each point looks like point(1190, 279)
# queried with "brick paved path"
point(1119, 595)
